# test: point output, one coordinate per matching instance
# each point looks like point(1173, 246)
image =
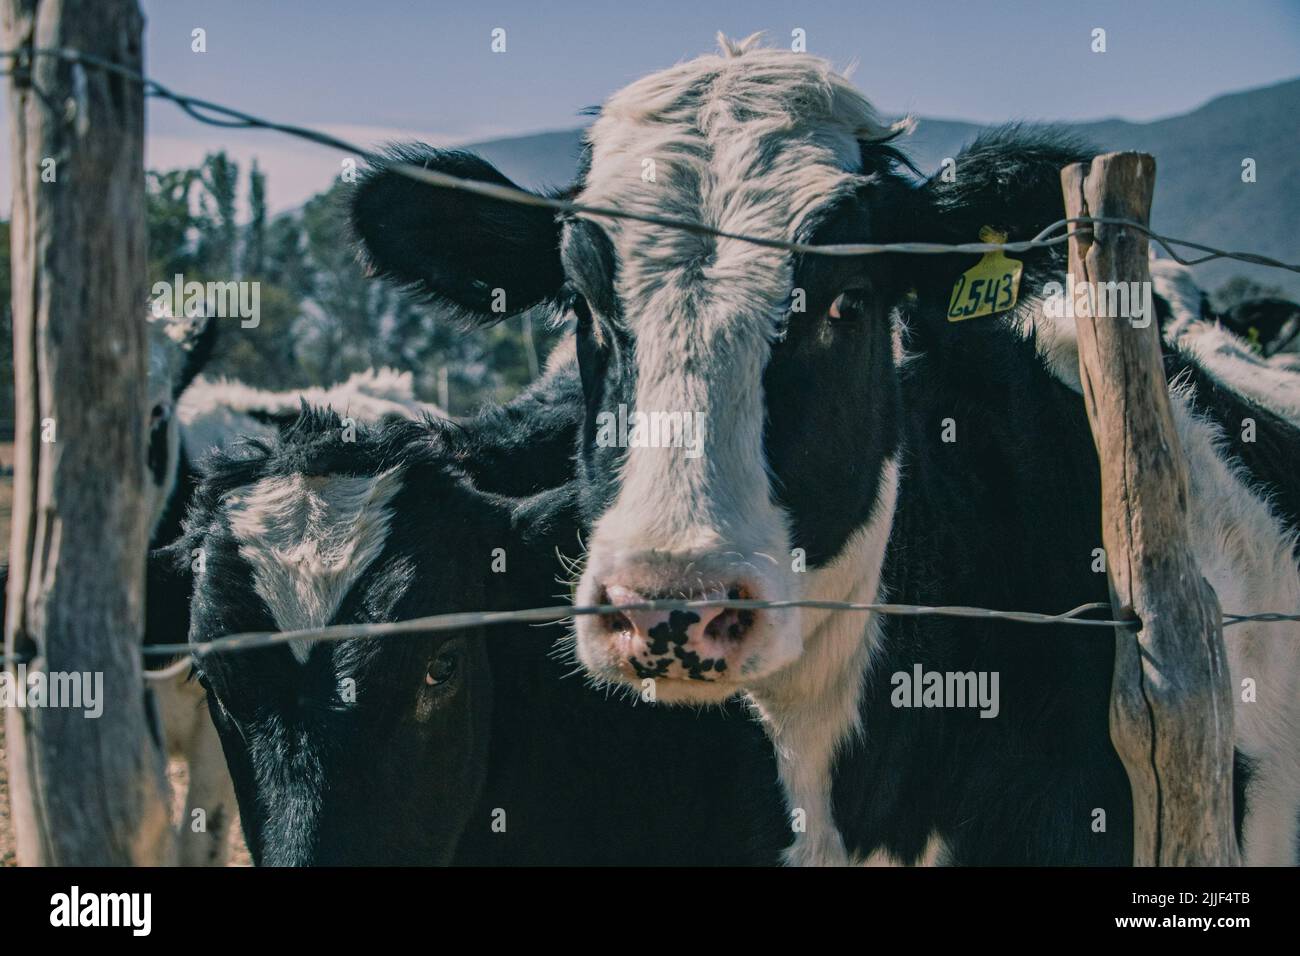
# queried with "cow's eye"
point(848, 307)
point(157, 412)
point(442, 668)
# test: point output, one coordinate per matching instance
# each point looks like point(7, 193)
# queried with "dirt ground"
point(176, 773)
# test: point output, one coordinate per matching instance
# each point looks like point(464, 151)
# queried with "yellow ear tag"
point(991, 285)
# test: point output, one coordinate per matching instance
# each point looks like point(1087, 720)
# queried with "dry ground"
point(176, 773)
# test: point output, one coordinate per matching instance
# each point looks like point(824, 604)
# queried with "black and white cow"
point(1218, 348)
point(190, 416)
point(178, 349)
point(1271, 324)
point(467, 746)
point(862, 448)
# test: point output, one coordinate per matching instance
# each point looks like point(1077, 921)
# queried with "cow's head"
point(769, 377)
point(359, 751)
point(178, 350)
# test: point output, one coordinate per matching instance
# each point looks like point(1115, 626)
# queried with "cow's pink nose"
point(643, 623)
point(695, 643)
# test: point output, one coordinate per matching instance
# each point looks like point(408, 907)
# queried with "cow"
point(1249, 340)
point(467, 746)
point(208, 413)
point(190, 415)
point(858, 446)
point(177, 350)
point(1270, 324)
point(194, 417)
point(1192, 326)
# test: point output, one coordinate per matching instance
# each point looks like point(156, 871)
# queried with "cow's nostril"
point(732, 624)
point(716, 624)
point(616, 622)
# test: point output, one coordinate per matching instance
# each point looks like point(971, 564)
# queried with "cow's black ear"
point(1009, 179)
point(484, 258)
point(199, 343)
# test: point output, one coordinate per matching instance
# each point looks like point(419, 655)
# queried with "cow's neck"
point(813, 710)
point(808, 709)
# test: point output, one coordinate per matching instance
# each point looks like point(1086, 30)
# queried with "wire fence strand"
point(564, 612)
point(215, 114)
point(461, 620)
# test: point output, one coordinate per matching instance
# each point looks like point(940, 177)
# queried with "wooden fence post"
point(85, 790)
point(1171, 699)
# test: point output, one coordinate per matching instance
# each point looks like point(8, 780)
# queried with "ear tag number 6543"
point(991, 285)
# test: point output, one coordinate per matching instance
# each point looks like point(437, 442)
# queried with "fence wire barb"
point(227, 117)
point(559, 613)
point(230, 118)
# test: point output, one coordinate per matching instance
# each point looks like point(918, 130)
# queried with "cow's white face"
point(773, 373)
point(675, 324)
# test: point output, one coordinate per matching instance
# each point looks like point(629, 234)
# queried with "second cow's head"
point(742, 402)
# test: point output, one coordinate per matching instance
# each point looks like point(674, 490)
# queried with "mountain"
point(1199, 193)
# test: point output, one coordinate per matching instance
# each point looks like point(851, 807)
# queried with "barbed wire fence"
point(215, 114)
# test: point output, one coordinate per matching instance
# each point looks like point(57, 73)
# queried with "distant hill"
point(540, 161)
point(1199, 192)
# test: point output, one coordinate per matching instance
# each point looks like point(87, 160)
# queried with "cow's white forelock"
point(308, 539)
point(750, 141)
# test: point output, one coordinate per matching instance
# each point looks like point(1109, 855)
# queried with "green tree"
point(254, 252)
point(170, 222)
point(321, 317)
point(218, 230)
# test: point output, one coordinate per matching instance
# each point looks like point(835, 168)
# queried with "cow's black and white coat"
point(466, 746)
point(824, 444)
point(1216, 345)
point(191, 416)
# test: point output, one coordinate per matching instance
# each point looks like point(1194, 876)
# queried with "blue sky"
point(383, 69)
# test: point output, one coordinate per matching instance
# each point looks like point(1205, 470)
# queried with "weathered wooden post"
point(85, 790)
point(1171, 700)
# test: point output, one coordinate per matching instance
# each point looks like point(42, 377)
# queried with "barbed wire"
point(460, 620)
point(215, 114)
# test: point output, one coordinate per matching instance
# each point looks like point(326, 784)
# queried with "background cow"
point(191, 417)
point(861, 448)
point(1271, 325)
point(467, 746)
